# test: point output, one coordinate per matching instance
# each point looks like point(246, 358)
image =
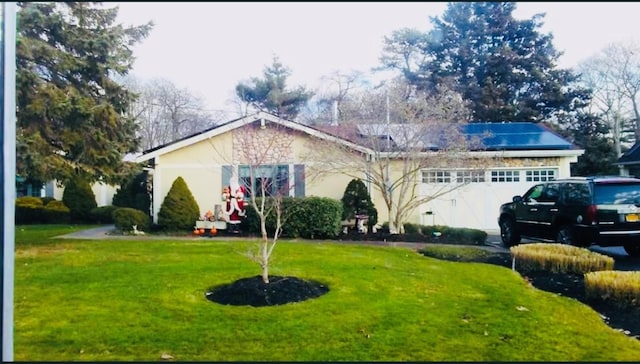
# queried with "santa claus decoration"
point(235, 205)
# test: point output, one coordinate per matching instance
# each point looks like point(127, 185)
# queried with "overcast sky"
point(208, 47)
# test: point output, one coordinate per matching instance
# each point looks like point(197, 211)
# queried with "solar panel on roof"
point(514, 136)
point(493, 136)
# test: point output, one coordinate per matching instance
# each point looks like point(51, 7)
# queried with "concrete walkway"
point(109, 232)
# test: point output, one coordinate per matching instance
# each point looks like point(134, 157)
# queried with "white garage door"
point(476, 204)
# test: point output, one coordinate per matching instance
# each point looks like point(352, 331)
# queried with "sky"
point(208, 47)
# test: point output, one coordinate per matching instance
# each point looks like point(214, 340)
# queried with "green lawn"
point(137, 300)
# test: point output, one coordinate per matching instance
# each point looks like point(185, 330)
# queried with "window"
point(550, 193)
point(459, 176)
point(541, 175)
point(469, 176)
point(533, 194)
point(505, 176)
point(436, 177)
point(273, 180)
point(577, 194)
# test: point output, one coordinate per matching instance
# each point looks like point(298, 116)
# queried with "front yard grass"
point(121, 300)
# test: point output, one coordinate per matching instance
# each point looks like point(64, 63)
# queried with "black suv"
point(578, 211)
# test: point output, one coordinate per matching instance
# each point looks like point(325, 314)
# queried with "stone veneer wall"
point(269, 145)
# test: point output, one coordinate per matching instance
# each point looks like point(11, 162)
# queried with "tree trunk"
point(264, 250)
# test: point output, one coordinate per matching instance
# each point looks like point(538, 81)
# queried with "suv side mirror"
point(517, 199)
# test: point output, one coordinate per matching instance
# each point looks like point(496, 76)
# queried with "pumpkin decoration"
point(196, 231)
point(201, 231)
point(213, 231)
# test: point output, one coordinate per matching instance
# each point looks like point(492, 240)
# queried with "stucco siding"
point(331, 186)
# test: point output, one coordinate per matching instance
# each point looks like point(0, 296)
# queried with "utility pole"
point(8, 170)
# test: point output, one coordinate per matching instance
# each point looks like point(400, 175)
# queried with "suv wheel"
point(508, 232)
point(632, 249)
point(565, 236)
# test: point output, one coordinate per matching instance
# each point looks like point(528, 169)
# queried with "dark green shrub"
point(79, 198)
point(125, 217)
point(411, 228)
point(356, 201)
point(451, 235)
point(103, 214)
point(29, 210)
point(133, 193)
point(316, 218)
point(47, 199)
point(302, 217)
point(179, 210)
point(433, 234)
point(55, 212)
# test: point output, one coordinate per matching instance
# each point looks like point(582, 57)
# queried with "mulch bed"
point(254, 292)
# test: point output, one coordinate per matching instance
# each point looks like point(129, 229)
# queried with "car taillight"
point(590, 216)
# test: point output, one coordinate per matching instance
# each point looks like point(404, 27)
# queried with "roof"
point(237, 123)
point(601, 179)
point(632, 156)
point(496, 136)
point(517, 136)
point(491, 136)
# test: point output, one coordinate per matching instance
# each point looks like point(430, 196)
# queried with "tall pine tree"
point(70, 111)
point(504, 67)
point(271, 94)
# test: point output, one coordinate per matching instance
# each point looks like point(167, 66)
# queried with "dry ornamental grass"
point(558, 258)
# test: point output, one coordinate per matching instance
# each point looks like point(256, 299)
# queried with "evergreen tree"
point(356, 201)
point(270, 93)
point(69, 108)
point(504, 67)
point(79, 198)
point(133, 193)
point(592, 134)
point(179, 210)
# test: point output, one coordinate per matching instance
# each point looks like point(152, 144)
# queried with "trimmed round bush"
point(103, 214)
point(356, 201)
point(47, 199)
point(55, 212)
point(125, 218)
point(29, 210)
point(79, 198)
point(302, 217)
point(179, 210)
point(133, 193)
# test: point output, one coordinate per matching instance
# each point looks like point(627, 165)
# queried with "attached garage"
point(525, 154)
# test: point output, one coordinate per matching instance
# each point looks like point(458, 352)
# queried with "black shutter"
point(298, 180)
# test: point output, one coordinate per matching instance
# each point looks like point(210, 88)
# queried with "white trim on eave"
point(539, 153)
point(532, 153)
point(244, 121)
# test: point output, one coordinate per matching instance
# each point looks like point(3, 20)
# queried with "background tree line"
point(79, 112)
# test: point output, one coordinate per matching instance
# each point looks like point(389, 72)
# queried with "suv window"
point(550, 193)
point(577, 194)
point(533, 194)
point(612, 194)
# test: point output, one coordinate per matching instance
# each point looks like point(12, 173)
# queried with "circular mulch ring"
point(254, 292)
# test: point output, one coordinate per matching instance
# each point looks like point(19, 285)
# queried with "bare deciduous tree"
point(614, 77)
point(326, 106)
point(165, 113)
point(405, 132)
point(260, 148)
